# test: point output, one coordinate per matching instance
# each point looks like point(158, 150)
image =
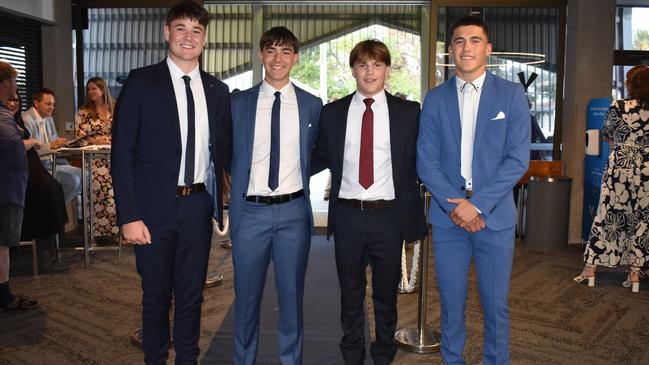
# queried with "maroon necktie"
point(366, 162)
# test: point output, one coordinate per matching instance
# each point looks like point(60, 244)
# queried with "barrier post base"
point(408, 339)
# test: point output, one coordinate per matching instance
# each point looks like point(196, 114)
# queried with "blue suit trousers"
point(492, 253)
point(282, 233)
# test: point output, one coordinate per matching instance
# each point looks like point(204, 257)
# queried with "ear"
point(489, 49)
point(166, 33)
point(296, 57)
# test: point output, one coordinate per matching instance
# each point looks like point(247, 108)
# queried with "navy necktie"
point(191, 132)
point(273, 171)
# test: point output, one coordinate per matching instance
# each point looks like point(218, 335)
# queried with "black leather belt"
point(191, 189)
point(368, 204)
point(274, 199)
point(469, 193)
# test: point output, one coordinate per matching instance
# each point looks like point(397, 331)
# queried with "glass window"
point(524, 51)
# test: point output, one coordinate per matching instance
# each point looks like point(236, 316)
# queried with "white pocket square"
point(500, 115)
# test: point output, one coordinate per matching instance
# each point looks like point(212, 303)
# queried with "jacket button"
point(462, 188)
point(243, 195)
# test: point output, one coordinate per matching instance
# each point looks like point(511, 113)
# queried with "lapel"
point(303, 113)
point(453, 108)
point(395, 144)
point(166, 85)
point(210, 100)
point(251, 114)
point(342, 128)
point(484, 108)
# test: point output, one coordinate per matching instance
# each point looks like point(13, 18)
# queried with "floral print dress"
point(103, 207)
point(620, 230)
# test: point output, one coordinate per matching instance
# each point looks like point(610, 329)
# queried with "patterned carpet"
point(87, 314)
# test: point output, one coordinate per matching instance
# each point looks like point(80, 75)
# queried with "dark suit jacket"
point(146, 148)
point(404, 126)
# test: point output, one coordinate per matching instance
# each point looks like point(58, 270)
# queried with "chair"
point(34, 254)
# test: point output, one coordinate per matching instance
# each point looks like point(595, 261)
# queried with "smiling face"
point(186, 38)
point(45, 106)
point(278, 60)
point(370, 76)
point(94, 92)
point(13, 104)
point(469, 49)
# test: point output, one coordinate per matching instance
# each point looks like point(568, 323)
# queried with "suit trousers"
point(362, 237)
point(280, 233)
point(492, 252)
point(175, 264)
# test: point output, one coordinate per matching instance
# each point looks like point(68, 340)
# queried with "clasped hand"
point(466, 216)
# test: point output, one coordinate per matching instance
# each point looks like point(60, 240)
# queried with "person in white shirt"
point(367, 139)
point(40, 123)
point(274, 126)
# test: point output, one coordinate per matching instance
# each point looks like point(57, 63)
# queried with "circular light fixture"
point(527, 58)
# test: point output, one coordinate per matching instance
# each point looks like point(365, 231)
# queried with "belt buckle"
point(363, 205)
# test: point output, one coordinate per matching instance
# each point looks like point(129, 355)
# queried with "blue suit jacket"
point(500, 154)
point(146, 148)
point(244, 111)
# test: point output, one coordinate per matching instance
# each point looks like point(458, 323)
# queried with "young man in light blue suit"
point(274, 130)
point(473, 146)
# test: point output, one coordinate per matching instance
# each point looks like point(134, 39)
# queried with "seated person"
point(44, 213)
point(38, 120)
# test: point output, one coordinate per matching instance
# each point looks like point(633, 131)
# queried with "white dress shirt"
point(290, 173)
point(202, 139)
point(468, 96)
point(383, 186)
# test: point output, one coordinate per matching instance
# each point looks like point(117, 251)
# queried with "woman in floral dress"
point(95, 119)
point(620, 231)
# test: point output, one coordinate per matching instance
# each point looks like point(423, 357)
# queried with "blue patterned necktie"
point(273, 171)
point(191, 132)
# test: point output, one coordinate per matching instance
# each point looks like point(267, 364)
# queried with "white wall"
point(42, 10)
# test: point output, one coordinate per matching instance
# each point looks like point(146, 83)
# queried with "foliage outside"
point(405, 53)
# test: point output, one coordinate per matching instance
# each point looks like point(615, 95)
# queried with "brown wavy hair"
point(90, 107)
point(639, 87)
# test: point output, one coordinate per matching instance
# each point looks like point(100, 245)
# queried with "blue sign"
point(594, 165)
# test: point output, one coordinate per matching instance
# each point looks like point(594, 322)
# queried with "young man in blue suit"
point(170, 120)
point(368, 141)
point(473, 146)
point(274, 129)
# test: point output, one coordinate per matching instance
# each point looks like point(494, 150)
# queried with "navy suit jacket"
point(146, 148)
point(501, 150)
point(404, 123)
point(244, 112)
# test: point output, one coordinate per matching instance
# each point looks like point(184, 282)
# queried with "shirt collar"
point(477, 82)
point(379, 98)
point(287, 90)
point(37, 115)
point(177, 73)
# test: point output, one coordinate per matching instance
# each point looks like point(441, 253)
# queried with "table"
point(87, 154)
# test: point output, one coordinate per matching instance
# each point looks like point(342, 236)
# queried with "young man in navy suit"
point(473, 146)
point(367, 139)
point(170, 120)
point(274, 129)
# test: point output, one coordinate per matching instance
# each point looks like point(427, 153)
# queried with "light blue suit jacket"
point(500, 153)
point(244, 110)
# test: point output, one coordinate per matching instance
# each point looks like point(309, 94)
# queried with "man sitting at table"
point(38, 120)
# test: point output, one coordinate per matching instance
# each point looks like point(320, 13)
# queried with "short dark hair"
point(372, 49)
point(188, 9)
point(279, 36)
point(38, 95)
point(466, 21)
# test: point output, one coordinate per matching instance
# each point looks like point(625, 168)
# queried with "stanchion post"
point(421, 340)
